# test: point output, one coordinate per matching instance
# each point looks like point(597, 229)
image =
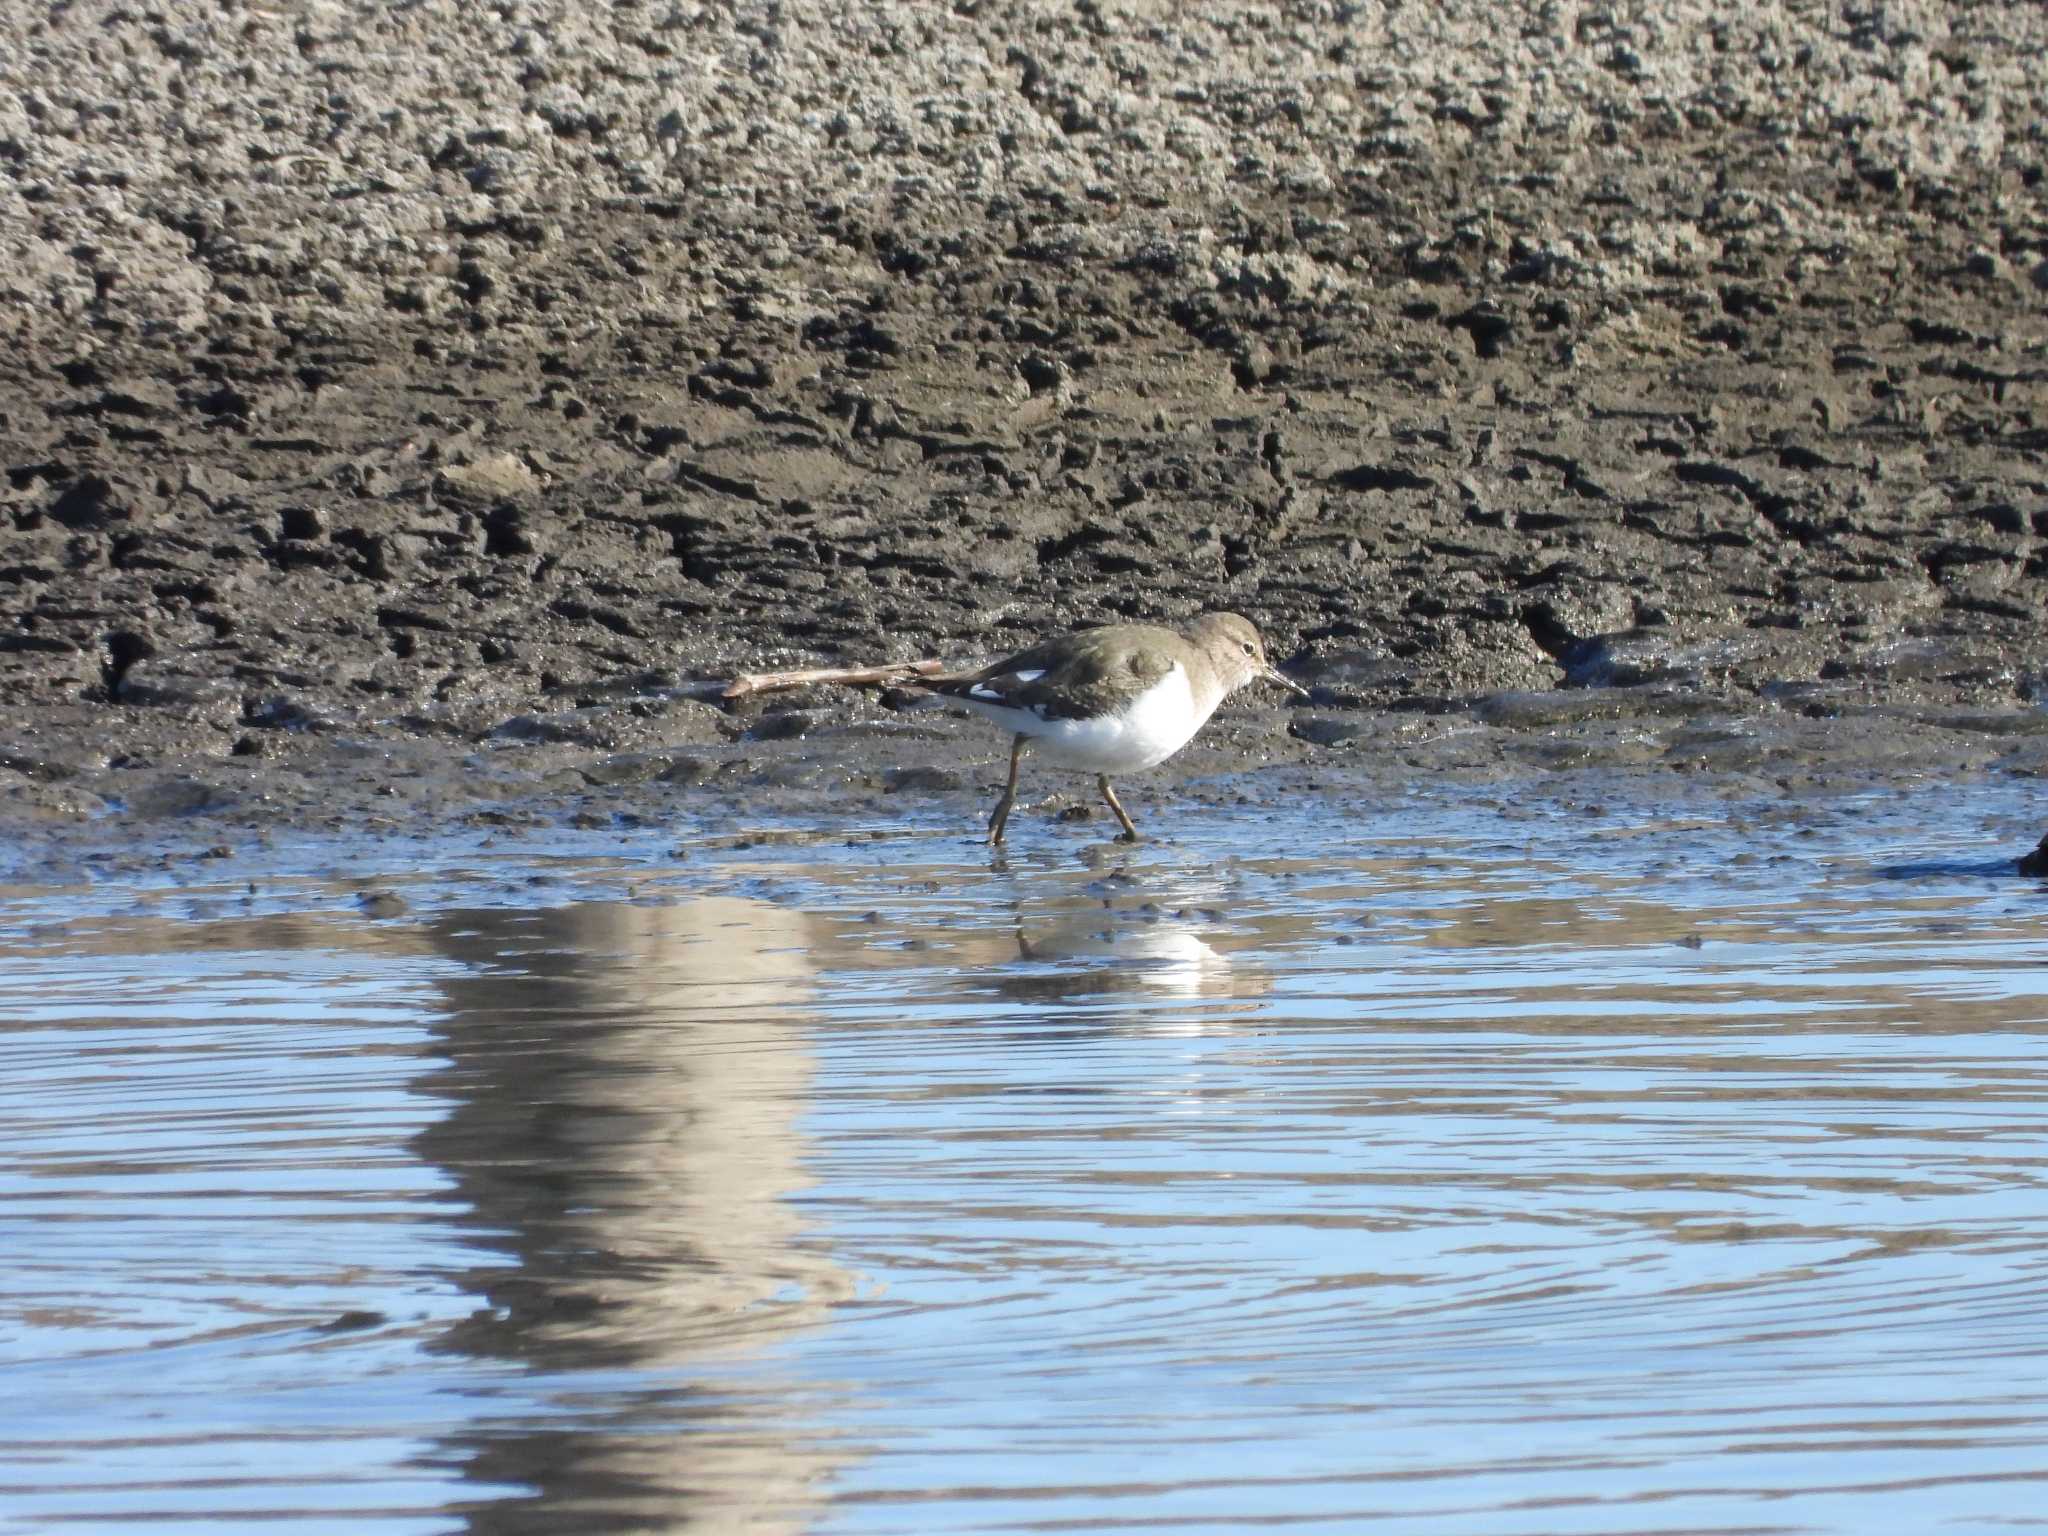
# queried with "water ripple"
point(1493, 1173)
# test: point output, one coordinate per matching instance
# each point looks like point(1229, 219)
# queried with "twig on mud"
point(895, 672)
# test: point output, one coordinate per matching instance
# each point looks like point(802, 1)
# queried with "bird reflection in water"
point(1087, 963)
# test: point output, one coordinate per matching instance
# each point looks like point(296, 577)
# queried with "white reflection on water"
point(1433, 1187)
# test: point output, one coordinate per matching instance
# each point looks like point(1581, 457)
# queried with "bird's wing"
point(1086, 674)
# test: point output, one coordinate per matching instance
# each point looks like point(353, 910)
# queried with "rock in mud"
point(922, 779)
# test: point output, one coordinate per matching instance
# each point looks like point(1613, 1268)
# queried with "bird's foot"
point(998, 820)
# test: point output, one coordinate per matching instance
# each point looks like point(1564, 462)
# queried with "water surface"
point(1502, 1165)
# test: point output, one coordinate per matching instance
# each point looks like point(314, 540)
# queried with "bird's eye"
point(1250, 649)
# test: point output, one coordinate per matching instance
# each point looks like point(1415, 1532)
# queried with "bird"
point(1113, 700)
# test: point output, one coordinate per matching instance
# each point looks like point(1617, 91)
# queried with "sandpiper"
point(1113, 700)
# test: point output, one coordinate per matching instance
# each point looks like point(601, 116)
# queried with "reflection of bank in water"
point(625, 1086)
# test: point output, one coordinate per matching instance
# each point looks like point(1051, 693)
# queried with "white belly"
point(1155, 725)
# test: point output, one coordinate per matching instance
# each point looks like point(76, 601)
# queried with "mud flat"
point(404, 411)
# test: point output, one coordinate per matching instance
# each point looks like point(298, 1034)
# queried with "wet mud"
point(407, 413)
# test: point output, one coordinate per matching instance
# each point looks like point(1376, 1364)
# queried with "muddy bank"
point(643, 778)
point(390, 393)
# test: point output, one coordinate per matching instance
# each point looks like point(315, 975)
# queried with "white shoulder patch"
point(996, 696)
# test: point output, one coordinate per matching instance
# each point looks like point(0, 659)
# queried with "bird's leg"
point(1001, 818)
point(1130, 830)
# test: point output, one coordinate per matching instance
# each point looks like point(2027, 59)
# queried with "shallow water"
point(1502, 1165)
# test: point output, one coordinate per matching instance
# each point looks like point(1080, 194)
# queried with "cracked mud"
point(407, 412)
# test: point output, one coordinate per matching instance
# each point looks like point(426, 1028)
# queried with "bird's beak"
point(1273, 674)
